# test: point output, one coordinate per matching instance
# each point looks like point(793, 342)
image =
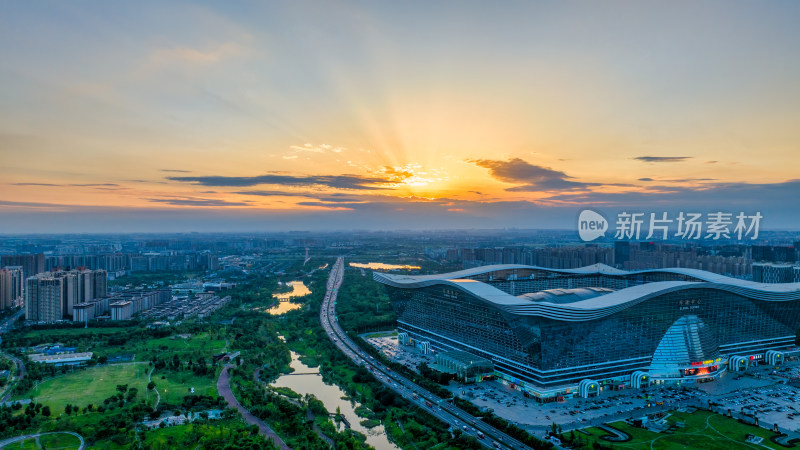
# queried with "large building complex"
point(121, 305)
point(567, 332)
point(52, 296)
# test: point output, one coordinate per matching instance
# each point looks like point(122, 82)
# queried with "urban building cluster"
point(31, 264)
point(52, 296)
point(738, 261)
point(733, 261)
point(558, 257)
point(73, 287)
point(122, 305)
point(139, 262)
point(765, 272)
point(183, 307)
point(14, 269)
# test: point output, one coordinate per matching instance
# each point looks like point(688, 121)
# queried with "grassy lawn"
point(97, 340)
point(50, 442)
point(201, 343)
point(176, 385)
point(92, 385)
point(173, 437)
point(53, 441)
point(704, 430)
point(193, 347)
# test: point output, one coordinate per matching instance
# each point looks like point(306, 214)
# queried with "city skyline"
point(210, 117)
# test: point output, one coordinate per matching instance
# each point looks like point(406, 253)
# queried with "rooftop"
point(589, 304)
point(565, 295)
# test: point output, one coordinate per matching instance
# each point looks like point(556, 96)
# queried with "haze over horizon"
point(347, 115)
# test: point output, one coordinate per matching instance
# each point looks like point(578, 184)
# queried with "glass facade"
point(549, 353)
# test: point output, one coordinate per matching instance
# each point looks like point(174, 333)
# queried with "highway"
point(444, 411)
point(9, 322)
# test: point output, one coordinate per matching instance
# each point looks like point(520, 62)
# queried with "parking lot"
point(406, 355)
point(573, 413)
point(760, 390)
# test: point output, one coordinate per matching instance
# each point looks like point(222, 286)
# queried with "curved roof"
point(565, 295)
point(597, 306)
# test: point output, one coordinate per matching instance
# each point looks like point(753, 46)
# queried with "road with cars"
point(455, 417)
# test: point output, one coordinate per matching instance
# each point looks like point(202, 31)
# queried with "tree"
point(46, 411)
point(151, 385)
point(102, 359)
point(132, 394)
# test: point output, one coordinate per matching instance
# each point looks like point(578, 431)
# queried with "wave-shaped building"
point(569, 332)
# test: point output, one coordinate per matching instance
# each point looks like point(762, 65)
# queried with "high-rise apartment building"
point(5, 289)
point(52, 296)
point(10, 287)
point(44, 298)
point(31, 264)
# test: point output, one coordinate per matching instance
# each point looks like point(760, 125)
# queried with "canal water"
point(310, 382)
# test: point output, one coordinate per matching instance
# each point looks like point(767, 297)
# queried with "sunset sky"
point(170, 116)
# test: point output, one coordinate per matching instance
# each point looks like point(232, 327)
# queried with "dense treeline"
point(365, 306)
point(83, 339)
point(11, 422)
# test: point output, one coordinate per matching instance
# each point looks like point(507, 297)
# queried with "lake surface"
point(382, 266)
point(298, 290)
point(311, 383)
point(283, 308)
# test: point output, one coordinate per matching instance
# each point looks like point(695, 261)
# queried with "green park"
point(699, 429)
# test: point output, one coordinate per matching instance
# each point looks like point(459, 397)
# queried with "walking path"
point(158, 400)
point(7, 442)
point(224, 388)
